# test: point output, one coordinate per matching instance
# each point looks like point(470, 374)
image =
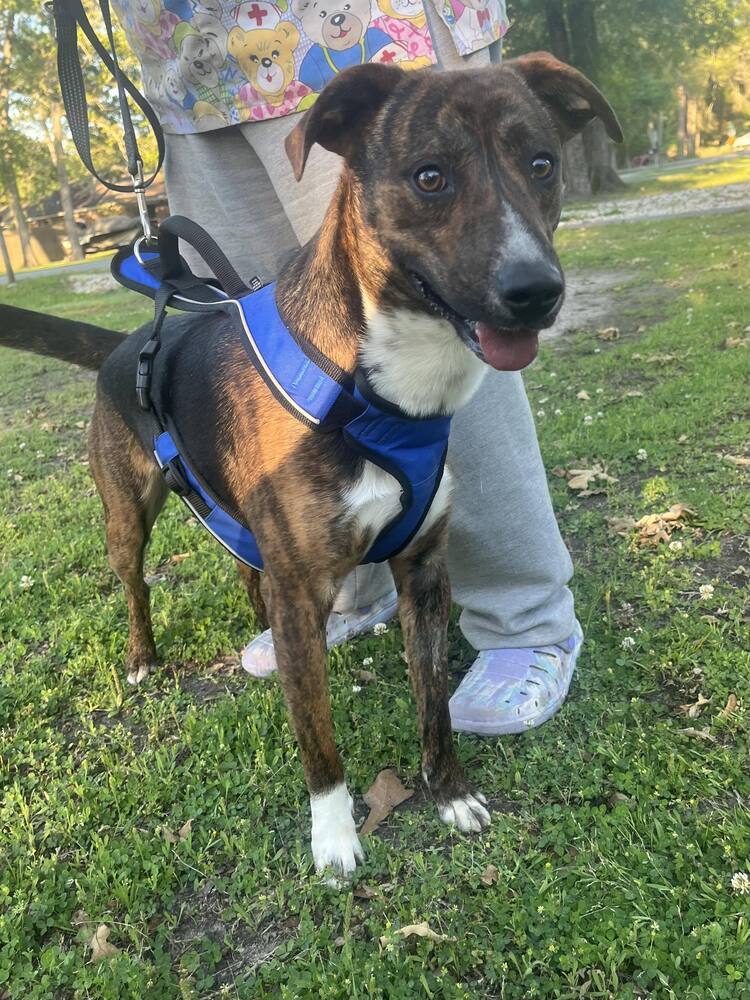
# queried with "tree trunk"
point(557, 30)
point(575, 169)
point(602, 175)
point(66, 195)
point(10, 276)
point(19, 218)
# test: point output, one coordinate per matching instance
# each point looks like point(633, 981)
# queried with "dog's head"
point(458, 176)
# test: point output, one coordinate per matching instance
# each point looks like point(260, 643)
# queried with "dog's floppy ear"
point(571, 98)
point(343, 111)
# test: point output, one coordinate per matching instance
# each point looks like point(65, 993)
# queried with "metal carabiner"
point(139, 191)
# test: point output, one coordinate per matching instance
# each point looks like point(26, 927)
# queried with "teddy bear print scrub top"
point(207, 63)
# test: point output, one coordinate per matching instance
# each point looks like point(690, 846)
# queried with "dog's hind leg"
point(424, 606)
point(257, 591)
point(133, 491)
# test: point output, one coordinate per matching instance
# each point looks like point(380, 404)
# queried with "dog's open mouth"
point(508, 350)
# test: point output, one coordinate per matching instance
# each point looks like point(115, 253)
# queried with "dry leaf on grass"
point(365, 892)
point(489, 876)
point(182, 833)
point(656, 528)
point(178, 557)
point(621, 525)
point(367, 676)
point(693, 710)
point(589, 481)
point(738, 460)
point(632, 394)
point(608, 333)
point(730, 708)
point(701, 734)
point(582, 395)
point(422, 929)
point(100, 946)
point(383, 795)
point(736, 342)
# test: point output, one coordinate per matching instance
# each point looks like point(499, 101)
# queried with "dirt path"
point(656, 206)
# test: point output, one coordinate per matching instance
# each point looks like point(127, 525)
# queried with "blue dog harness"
point(308, 384)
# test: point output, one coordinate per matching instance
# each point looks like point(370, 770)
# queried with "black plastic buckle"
point(175, 478)
point(145, 373)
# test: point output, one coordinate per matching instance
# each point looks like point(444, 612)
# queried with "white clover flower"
point(558, 413)
point(642, 455)
point(628, 642)
point(367, 662)
point(599, 414)
point(380, 628)
point(540, 413)
point(22, 445)
point(356, 688)
point(741, 883)
point(588, 419)
point(706, 591)
point(26, 583)
point(675, 546)
point(599, 391)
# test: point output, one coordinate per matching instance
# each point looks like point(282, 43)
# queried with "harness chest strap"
point(312, 388)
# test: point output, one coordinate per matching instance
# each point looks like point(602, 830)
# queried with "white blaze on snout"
point(518, 243)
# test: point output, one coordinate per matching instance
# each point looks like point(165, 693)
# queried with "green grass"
point(696, 177)
point(615, 832)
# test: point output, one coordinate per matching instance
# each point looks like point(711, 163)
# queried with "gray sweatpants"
point(508, 564)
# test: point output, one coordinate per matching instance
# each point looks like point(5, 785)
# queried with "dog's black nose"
point(530, 291)
point(338, 19)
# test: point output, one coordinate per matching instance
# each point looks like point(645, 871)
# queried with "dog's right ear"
point(345, 108)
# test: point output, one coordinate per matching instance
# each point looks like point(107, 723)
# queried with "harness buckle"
point(175, 478)
point(145, 372)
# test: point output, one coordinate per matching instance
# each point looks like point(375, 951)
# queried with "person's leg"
point(217, 180)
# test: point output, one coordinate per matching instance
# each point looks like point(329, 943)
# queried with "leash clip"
point(139, 190)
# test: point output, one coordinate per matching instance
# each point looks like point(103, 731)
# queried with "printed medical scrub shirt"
point(208, 63)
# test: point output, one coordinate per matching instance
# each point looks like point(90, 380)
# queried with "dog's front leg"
point(424, 607)
point(298, 625)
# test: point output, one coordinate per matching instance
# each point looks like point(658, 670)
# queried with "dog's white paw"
point(467, 812)
point(335, 843)
point(139, 673)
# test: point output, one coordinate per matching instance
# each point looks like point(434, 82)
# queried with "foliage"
point(614, 864)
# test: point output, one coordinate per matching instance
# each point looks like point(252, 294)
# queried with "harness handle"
point(173, 266)
point(69, 15)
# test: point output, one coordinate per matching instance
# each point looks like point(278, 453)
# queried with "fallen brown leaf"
point(701, 734)
point(621, 525)
point(182, 833)
point(365, 675)
point(178, 557)
point(383, 795)
point(737, 459)
point(489, 876)
point(736, 342)
point(693, 710)
point(632, 394)
point(100, 946)
point(416, 930)
point(589, 481)
point(365, 892)
point(656, 528)
point(608, 333)
point(582, 395)
point(730, 708)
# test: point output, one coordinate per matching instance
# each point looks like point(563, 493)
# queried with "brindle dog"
point(435, 259)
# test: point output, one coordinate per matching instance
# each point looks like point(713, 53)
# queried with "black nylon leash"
point(69, 16)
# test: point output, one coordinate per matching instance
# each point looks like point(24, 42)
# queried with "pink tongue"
point(505, 350)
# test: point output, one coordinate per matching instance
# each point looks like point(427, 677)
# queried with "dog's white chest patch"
point(375, 499)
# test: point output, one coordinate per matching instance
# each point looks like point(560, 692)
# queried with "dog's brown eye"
point(431, 180)
point(541, 168)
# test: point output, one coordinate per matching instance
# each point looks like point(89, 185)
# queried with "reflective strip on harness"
point(235, 537)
